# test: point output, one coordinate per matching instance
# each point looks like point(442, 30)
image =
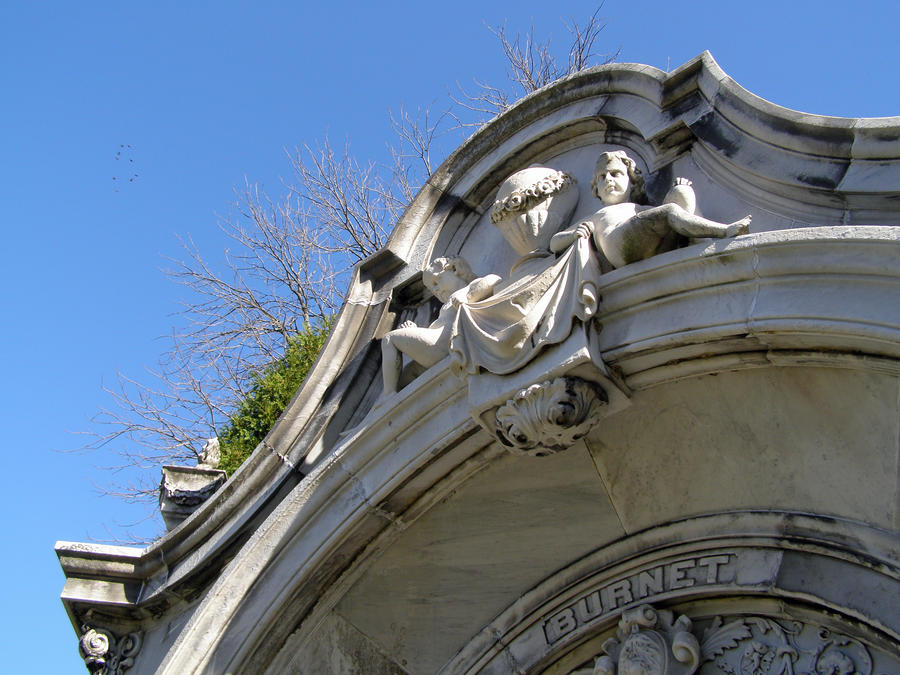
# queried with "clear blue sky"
point(208, 93)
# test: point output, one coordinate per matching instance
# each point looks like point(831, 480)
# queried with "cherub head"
point(617, 179)
point(445, 276)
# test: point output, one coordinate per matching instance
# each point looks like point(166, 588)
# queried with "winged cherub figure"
point(626, 229)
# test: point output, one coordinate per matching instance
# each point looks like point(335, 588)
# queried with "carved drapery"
point(506, 331)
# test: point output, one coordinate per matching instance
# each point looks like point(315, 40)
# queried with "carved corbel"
point(106, 654)
point(545, 418)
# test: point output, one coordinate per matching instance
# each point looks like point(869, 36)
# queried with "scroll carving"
point(650, 642)
point(757, 646)
point(106, 654)
point(549, 417)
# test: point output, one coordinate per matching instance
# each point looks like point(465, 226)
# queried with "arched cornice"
point(786, 549)
point(388, 472)
point(315, 464)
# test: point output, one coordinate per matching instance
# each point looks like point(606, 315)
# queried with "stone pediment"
point(548, 347)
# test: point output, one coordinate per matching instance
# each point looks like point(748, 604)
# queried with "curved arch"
point(789, 558)
point(667, 113)
point(391, 471)
point(331, 487)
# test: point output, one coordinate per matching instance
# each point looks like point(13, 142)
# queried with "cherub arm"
point(481, 288)
point(562, 240)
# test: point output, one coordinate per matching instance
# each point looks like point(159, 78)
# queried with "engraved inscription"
point(678, 574)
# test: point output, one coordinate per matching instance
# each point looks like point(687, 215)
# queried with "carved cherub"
point(626, 229)
point(452, 282)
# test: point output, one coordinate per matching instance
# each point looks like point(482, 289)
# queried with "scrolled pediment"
point(386, 508)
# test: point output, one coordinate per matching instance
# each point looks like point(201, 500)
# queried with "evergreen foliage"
point(271, 391)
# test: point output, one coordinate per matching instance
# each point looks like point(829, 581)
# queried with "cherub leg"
point(689, 225)
point(426, 346)
point(682, 194)
point(391, 362)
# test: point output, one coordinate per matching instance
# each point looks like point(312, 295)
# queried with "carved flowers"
point(548, 417)
point(757, 645)
point(522, 199)
point(532, 205)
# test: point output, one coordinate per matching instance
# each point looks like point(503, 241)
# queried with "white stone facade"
point(705, 442)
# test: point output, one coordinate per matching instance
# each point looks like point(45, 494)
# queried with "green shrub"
point(270, 393)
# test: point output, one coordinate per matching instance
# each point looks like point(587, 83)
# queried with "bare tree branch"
point(287, 263)
point(531, 65)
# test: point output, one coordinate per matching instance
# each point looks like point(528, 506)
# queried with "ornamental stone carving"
point(757, 645)
point(627, 229)
point(549, 417)
point(532, 205)
point(183, 489)
point(211, 454)
point(649, 642)
point(452, 282)
point(105, 654)
point(499, 326)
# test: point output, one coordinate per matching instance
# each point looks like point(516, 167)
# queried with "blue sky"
point(203, 95)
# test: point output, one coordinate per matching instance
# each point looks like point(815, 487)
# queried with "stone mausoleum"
point(620, 395)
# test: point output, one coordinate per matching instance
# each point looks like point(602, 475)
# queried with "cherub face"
point(446, 284)
point(612, 182)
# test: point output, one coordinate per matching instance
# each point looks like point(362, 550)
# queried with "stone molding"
point(317, 475)
point(184, 488)
point(650, 642)
point(812, 291)
point(737, 555)
point(113, 577)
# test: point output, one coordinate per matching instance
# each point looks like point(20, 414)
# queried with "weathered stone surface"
point(784, 438)
point(456, 566)
point(703, 568)
point(338, 648)
point(745, 467)
point(184, 488)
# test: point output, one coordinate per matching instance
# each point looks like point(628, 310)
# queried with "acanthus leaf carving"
point(549, 417)
point(649, 642)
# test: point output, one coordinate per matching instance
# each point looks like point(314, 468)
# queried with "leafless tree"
point(531, 65)
point(287, 264)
